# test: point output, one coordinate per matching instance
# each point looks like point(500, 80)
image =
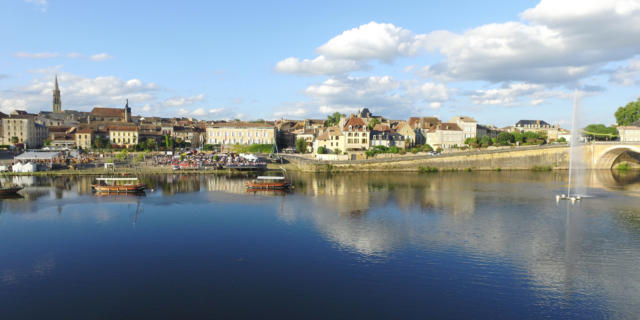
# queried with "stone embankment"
point(518, 158)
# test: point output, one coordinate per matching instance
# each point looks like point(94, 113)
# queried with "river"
point(342, 246)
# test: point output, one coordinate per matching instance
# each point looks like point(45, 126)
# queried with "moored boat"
point(118, 185)
point(269, 182)
point(9, 191)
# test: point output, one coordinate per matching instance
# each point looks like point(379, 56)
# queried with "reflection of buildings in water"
point(24, 180)
point(180, 184)
point(225, 184)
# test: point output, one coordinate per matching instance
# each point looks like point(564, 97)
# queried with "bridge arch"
point(608, 157)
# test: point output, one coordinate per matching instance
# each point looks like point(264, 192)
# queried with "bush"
point(321, 150)
point(301, 145)
point(623, 166)
point(427, 169)
point(505, 138)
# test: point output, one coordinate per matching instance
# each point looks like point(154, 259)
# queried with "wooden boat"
point(9, 191)
point(269, 182)
point(118, 185)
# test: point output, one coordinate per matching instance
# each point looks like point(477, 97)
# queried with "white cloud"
point(36, 55)
point(199, 112)
point(100, 57)
point(627, 75)
point(84, 93)
point(521, 93)
point(382, 94)
point(557, 41)
point(182, 101)
point(216, 110)
point(72, 55)
point(382, 41)
point(42, 4)
point(318, 66)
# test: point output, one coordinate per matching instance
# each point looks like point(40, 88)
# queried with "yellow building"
point(123, 136)
point(84, 137)
point(244, 133)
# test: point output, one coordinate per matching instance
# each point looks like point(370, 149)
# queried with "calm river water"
point(347, 246)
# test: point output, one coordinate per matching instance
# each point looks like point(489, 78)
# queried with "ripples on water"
point(462, 245)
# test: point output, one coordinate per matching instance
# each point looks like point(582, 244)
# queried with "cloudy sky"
point(498, 61)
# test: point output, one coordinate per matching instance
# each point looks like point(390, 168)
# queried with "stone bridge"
point(603, 155)
point(598, 155)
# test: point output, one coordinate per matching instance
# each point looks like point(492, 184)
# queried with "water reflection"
point(581, 256)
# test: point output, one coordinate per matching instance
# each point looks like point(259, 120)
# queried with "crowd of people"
point(207, 161)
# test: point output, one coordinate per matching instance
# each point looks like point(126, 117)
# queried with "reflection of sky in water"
point(501, 234)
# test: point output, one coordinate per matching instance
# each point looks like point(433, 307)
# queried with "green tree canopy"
point(600, 132)
point(301, 145)
point(373, 123)
point(334, 119)
point(628, 114)
point(505, 138)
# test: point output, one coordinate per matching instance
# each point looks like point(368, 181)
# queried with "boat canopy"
point(117, 179)
point(270, 178)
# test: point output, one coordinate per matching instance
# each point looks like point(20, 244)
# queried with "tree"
point(485, 141)
point(628, 114)
point(471, 141)
point(321, 150)
point(301, 145)
point(334, 119)
point(600, 132)
point(47, 142)
point(518, 137)
point(505, 138)
point(14, 140)
point(152, 144)
point(373, 123)
point(337, 151)
point(122, 155)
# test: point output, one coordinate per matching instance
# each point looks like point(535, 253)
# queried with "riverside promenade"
point(545, 157)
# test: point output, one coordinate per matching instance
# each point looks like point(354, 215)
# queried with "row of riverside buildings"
point(352, 135)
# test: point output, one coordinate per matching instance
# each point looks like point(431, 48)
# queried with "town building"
point(404, 129)
point(467, 124)
point(84, 138)
point(487, 130)
point(111, 114)
point(537, 126)
point(383, 135)
point(356, 135)
point(630, 133)
point(126, 136)
point(332, 140)
point(192, 135)
point(22, 129)
point(243, 133)
point(445, 136)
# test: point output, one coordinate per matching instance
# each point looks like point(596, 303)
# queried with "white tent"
point(26, 167)
point(17, 167)
point(30, 167)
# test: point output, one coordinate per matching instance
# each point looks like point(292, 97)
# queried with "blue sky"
point(496, 61)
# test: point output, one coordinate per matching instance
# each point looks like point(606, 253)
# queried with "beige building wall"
point(244, 134)
point(29, 133)
point(123, 137)
point(445, 138)
point(83, 140)
point(468, 125)
point(629, 133)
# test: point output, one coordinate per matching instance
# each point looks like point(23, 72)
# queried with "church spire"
point(57, 102)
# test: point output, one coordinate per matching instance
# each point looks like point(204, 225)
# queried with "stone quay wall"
point(520, 158)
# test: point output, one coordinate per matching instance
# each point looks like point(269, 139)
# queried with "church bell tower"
point(57, 103)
